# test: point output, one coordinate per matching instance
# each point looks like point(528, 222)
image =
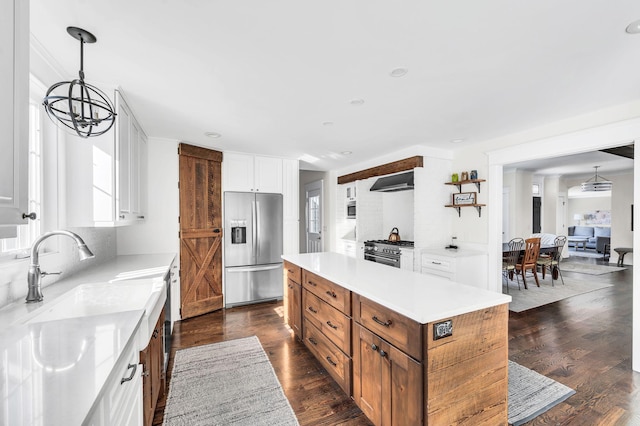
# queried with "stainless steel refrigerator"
point(252, 247)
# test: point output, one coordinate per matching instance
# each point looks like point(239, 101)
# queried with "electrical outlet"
point(442, 329)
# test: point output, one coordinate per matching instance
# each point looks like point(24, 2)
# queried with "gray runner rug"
point(531, 394)
point(226, 383)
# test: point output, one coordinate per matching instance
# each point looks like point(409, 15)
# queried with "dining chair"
point(552, 260)
point(528, 262)
point(510, 259)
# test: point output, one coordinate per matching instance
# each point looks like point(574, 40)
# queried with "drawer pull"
point(290, 286)
point(385, 323)
point(383, 353)
point(127, 379)
point(332, 294)
point(290, 271)
point(335, 327)
point(313, 341)
point(331, 361)
point(436, 263)
point(374, 347)
point(155, 334)
point(312, 283)
point(312, 310)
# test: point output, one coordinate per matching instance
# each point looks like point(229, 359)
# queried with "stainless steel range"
point(384, 251)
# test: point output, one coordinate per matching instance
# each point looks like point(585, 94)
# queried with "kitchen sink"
point(87, 300)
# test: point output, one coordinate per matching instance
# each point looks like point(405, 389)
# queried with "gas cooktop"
point(391, 243)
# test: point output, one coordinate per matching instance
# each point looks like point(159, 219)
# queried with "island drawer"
point(333, 323)
point(400, 331)
point(332, 359)
point(332, 293)
point(293, 272)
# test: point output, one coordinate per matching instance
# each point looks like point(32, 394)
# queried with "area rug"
point(535, 296)
point(227, 383)
point(589, 268)
point(531, 394)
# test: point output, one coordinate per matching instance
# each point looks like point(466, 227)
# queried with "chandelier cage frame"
point(85, 109)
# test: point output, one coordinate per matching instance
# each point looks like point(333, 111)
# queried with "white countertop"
point(52, 372)
point(423, 298)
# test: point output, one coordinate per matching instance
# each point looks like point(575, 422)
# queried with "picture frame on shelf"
point(464, 198)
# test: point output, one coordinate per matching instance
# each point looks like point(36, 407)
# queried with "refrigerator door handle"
point(254, 268)
point(258, 230)
point(254, 230)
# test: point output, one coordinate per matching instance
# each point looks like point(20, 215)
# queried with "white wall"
point(159, 232)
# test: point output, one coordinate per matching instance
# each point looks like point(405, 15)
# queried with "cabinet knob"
point(383, 353)
point(31, 216)
point(374, 347)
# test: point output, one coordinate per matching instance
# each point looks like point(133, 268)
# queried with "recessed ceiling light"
point(346, 153)
point(356, 101)
point(457, 140)
point(327, 123)
point(399, 72)
point(633, 28)
point(212, 134)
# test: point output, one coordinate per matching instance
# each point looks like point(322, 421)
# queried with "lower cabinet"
point(294, 307)
point(152, 360)
point(121, 403)
point(387, 383)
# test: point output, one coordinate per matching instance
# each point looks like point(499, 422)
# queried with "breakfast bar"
point(409, 348)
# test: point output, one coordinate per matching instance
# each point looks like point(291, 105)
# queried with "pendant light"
point(596, 183)
point(80, 107)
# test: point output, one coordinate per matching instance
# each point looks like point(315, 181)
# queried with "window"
point(27, 233)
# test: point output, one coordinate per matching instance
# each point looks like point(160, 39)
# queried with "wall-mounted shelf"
point(477, 206)
point(464, 182)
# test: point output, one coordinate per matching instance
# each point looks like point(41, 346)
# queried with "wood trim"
point(385, 169)
point(199, 152)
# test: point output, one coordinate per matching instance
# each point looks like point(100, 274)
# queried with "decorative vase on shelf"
point(473, 174)
point(454, 177)
point(464, 176)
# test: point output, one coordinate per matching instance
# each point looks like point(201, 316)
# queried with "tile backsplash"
point(13, 274)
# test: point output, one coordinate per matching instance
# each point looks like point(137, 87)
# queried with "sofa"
point(597, 236)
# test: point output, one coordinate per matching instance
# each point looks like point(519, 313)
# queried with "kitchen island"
point(409, 348)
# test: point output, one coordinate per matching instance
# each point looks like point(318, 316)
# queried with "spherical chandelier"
point(80, 107)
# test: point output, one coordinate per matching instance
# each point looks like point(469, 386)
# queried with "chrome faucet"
point(34, 276)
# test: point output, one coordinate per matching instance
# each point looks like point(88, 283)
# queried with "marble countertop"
point(52, 372)
point(423, 298)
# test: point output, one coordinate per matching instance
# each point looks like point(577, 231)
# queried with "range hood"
point(393, 183)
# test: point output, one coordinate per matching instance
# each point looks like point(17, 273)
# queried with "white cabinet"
point(106, 176)
point(14, 111)
point(462, 266)
point(131, 149)
point(406, 258)
point(121, 401)
point(252, 173)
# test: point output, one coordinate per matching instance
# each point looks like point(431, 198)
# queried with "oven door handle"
point(383, 258)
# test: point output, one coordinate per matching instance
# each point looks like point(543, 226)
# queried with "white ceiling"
point(266, 75)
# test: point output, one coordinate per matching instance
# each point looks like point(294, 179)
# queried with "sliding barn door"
point(200, 230)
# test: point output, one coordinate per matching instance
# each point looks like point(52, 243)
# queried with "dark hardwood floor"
point(583, 342)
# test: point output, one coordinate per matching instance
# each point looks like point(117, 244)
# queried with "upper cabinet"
point(106, 176)
point(131, 154)
point(252, 173)
point(14, 111)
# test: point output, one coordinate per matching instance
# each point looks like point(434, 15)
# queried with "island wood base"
point(397, 370)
